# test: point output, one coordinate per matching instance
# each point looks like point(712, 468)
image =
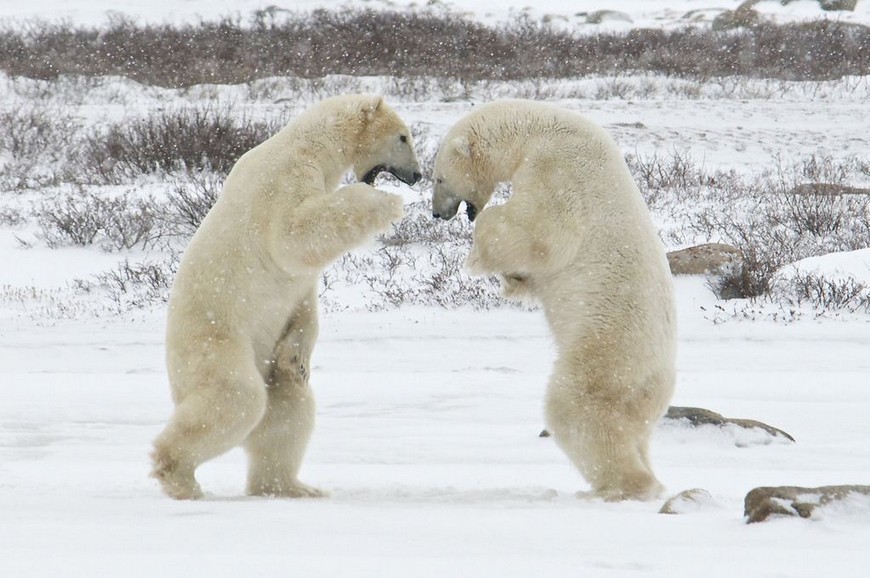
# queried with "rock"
point(710, 258)
point(830, 5)
point(762, 503)
point(742, 17)
point(686, 501)
point(697, 416)
point(827, 189)
point(600, 16)
point(701, 14)
point(833, 5)
point(724, 263)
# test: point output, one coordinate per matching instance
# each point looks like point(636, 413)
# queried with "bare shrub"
point(399, 275)
point(776, 227)
point(76, 219)
point(424, 43)
point(131, 224)
point(36, 137)
point(419, 228)
point(84, 218)
point(660, 176)
point(135, 285)
point(445, 283)
point(823, 293)
point(190, 138)
point(190, 199)
point(421, 262)
point(10, 216)
point(773, 218)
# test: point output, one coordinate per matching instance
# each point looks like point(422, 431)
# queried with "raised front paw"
point(395, 209)
point(377, 208)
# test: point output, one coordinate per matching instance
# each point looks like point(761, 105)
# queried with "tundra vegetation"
point(180, 103)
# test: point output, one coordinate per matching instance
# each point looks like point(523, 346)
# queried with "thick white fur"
point(242, 317)
point(576, 236)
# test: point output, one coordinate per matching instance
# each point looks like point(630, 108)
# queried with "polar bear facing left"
point(576, 237)
point(242, 318)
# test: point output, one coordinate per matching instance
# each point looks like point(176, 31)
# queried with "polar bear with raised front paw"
point(242, 317)
point(576, 236)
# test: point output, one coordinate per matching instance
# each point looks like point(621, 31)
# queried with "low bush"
point(34, 139)
point(190, 198)
point(192, 138)
point(421, 43)
point(134, 285)
point(81, 217)
point(773, 218)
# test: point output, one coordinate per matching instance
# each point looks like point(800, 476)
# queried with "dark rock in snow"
point(827, 189)
point(742, 17)
point(600, 16)
point(709, 258)
point(834, 5)
point(723, 264)
point(827, 5)
point(762, 503)
point(697, 416)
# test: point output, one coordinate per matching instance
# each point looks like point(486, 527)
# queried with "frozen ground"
point(427, 439)
point(428, 420)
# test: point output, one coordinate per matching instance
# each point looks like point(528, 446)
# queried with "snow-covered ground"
point(428, 420)
point(427, 439)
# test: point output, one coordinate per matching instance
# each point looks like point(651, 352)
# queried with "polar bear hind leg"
point(604, 443)
point(277, 445)
point(209, 420)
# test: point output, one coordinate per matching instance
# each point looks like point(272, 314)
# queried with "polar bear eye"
point(403, 138)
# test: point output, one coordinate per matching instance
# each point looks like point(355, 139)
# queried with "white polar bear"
point(576, 236)
point(242, 316)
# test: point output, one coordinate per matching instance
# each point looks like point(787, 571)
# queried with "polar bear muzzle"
point(447, 209)
point(409, 177)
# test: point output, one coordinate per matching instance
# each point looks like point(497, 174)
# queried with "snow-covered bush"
point(79, 216)
point(192, 138)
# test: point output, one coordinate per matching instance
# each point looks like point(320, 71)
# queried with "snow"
point(834, 266)
point(428, 420)
point(427, 439)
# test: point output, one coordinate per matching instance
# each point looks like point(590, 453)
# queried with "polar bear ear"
point(372, 106)
point(462, 145)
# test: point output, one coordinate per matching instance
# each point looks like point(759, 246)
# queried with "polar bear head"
point(463, 172)
point(384, 144)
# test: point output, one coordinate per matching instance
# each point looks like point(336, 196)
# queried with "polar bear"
point(575, 236)
point(242, 314)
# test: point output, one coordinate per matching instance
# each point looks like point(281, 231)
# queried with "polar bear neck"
point(510, 142)
point(327, 139)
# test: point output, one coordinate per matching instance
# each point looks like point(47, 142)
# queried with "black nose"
point(435, 215)
point(417, 176)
